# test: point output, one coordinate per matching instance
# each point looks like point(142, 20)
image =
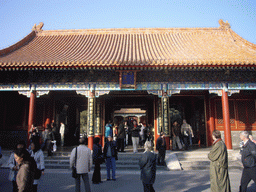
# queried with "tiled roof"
point(142, 47)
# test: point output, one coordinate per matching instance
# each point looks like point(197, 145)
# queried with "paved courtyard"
point(178, 181)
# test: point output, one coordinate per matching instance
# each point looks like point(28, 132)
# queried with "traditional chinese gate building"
point(205, 75)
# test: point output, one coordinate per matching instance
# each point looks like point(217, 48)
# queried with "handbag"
point(74, 173)
point(38, 173)
point(54, 147)
point(186, 133)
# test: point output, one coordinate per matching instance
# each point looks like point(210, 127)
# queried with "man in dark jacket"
point(248, 158)
point(110, 154)
point(48, 138)
point(147, 165)
point(120, 137)
point(161, 148)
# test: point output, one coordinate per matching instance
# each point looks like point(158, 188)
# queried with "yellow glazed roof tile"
point(131, 47)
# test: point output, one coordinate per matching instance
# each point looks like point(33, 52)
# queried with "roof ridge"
point(125, 30)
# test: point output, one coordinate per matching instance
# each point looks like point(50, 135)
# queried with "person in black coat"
point(110, 154)
point(147, 165)
point(120, 137)
point(97, 160)
point(48, 138)
point(161, 148)
point(35, 136)
point(248, 158)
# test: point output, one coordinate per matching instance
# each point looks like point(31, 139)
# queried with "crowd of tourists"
point(127, 132)
point(47, 141)
point(81, 161)
point(27, 164)
point(181, 135)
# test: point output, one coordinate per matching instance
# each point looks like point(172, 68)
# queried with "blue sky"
point(18, 16)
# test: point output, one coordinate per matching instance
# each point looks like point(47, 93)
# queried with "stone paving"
point(129, 181)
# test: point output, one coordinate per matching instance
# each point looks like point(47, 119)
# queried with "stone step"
point(118, 162)
point(197, 165)
point(103, 167)
point(199, 160)
point(202, 155)
point(176, 160)
point(126, 161)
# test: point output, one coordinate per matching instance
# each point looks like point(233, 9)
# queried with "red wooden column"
point(31, 114)
point(226, 118)
point(103, 123)
point(210, 119)
point(155, 120)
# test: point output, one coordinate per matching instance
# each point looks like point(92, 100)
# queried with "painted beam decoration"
point(63, 86)
point(102, 86)
point(155, 88)
point(15, 87)
point(246, 86)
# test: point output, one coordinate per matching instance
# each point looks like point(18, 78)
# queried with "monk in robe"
point(219, 165)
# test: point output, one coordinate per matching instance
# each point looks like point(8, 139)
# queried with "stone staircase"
point(194, 159)
point(198, 159)
point(126, 161)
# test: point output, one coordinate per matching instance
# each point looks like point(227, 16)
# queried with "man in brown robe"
point(219, 164)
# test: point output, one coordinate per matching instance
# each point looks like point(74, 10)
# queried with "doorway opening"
point(129, 106)
point(192, 109)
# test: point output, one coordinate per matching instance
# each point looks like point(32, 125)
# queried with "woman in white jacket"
point(38, 155)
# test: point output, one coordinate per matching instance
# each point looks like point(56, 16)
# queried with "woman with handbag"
point(38, 156)
point(97, 160)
